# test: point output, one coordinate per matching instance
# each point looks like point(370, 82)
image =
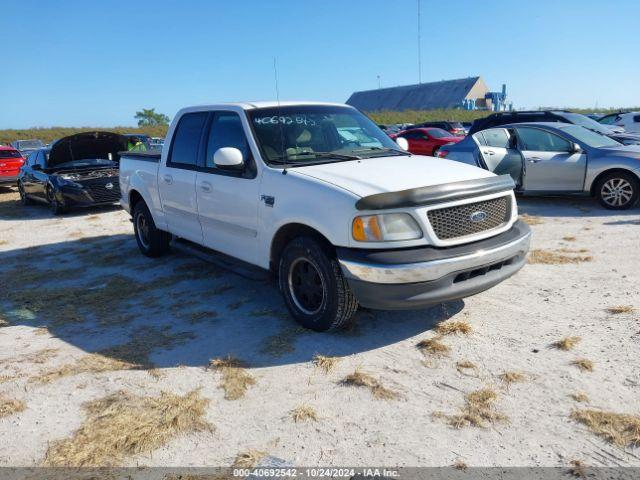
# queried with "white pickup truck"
point(319, 195)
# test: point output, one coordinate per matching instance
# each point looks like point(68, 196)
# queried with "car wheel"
point(618, 190)
point(56, 207)
point(151, 241)
point(24, 199)
point(314, 289)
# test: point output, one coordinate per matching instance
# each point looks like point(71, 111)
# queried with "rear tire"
point(618, 190)
point(314, 289)
point(152, 242)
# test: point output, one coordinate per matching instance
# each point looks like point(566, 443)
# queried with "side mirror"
point(228, 158)
point(575, 148)
point(403, 143)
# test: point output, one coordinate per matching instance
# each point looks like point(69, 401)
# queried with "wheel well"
point(134, 198)
point(594, 184)
point(288, 232)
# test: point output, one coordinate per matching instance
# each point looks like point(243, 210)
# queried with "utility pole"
point(419, 46)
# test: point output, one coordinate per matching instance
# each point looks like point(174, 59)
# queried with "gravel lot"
point(86, 316)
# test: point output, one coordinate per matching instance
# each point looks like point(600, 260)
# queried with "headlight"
point(68, 182)
point(385, 228)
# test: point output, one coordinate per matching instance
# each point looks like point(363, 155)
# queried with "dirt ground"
point(93, 333)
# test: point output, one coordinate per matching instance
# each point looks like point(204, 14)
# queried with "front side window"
point(496, 137)
point(610, 120)
point(439, 133)
point(184, 148)
point(226, 131)
point(537, 140)
point(311, 133)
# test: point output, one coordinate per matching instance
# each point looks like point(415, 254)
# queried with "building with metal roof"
point(466, 93)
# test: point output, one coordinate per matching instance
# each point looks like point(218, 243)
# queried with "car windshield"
point(586, 122)
point(590, 138)
point(10, 154)
point(29, 144)
point(438, 133)
point(306, 134)
point(455, 125)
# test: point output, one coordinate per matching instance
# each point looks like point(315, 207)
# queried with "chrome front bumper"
point(435, 269)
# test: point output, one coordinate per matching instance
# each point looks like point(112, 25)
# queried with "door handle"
point(205, 187)
point(489, 152)
point(534, 159)
point(168, 179)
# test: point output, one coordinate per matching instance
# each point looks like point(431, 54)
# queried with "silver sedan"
point(555, 158)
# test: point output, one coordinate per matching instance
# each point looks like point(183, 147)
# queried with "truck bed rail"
point(151, 156)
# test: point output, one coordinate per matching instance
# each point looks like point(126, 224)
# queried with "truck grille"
point(469, 219)
point(98, 190)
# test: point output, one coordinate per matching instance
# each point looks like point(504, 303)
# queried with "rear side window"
point(496, 137)
point(226, 131)
point(480, 139)
point(536, 140)
point(184, 148)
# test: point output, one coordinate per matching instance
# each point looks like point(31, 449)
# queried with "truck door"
point(498, 155)
point(550, 163)
point(228, 200)
point(177, 178)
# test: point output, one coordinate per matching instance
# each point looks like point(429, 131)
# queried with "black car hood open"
point(87, 145)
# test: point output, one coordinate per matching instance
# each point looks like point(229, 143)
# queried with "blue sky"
point(94, 63)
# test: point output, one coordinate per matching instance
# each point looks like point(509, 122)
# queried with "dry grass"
point(282, 342)
point(550, 257)
point(361, 379)
point(235, 379)
point(460, 465)
point(578, 469)
point(304, 413)
point(566, 343)
point(512, 377)
point(9, 406)
point(530, 219)
point(465, 365)
point(618, 309)
point(124, 424)
point(569, 238)
point(583, 364)
point(325, 363)
point(478, 410)
point(620, 429)
point(133, 355)
point(579, 397)
point(454, 327)
point(433, 346)
point(248, 459)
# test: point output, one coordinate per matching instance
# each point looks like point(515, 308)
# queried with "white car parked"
point(342, 220)
point(629, 121)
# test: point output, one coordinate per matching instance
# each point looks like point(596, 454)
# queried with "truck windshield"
point(305, 134)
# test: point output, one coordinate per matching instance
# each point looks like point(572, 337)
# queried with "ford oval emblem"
point(478, 216)
point(109, 186)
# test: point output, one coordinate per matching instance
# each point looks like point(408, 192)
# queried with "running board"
point(244, 269)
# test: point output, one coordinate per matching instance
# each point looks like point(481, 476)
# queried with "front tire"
point(56, 207)
point(24, 199)
point(314, 289)
point(152, 242)
point(618, 190)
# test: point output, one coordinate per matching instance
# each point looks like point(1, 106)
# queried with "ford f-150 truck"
point(322, 197)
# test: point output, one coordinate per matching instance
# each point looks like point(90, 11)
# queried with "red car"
point(426, 141)
point(10, 163)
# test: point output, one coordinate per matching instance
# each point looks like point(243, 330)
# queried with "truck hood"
point(391, 174)
point(87, 145)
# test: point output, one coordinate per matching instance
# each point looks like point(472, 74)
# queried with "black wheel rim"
point(306, 286)
point(143, 230)
point(52, 199)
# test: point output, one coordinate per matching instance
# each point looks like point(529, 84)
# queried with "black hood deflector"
point(87, 145)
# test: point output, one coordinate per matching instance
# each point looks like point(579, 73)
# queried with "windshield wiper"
point(383, 149)
point(285, 160)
